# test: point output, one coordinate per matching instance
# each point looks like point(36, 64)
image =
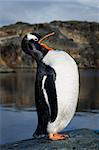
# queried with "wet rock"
point(82, 139)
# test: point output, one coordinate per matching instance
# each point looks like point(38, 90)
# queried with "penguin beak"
point(46, 36)
point(44, 45)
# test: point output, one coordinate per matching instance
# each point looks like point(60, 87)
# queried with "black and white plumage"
point(56, 86)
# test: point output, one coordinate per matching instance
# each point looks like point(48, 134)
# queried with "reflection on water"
point(17, 89)
point(89, 90)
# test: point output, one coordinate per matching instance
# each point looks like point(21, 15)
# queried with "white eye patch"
point(32, 37)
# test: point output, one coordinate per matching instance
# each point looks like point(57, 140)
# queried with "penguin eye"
point(32, 37)
point(35, 39)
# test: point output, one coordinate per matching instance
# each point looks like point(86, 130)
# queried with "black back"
point(44, 114)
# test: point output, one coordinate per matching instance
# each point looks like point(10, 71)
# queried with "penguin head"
point(32, 45)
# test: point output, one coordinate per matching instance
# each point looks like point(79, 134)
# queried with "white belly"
point(67, 87)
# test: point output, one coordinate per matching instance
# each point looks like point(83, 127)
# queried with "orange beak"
point(42, 39)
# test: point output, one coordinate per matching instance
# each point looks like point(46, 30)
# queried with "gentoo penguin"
point(56, 86)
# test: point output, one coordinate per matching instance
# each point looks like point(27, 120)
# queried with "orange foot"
point(57, 136)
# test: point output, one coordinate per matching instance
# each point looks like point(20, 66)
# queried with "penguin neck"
point(39, 52)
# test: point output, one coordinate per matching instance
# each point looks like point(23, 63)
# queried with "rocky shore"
point(82, 139)
point(79, 39)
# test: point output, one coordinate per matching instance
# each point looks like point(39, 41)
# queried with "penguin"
point(56, 86)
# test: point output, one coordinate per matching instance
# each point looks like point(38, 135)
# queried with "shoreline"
point(30, 69)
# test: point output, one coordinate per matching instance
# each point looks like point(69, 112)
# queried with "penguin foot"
point(39, 136)
point(56, 136)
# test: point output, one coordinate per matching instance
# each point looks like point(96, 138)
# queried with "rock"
point(79, 39)
point(6, 70)
point(82, 139)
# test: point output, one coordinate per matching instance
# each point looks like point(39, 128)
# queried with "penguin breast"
point(67, 87)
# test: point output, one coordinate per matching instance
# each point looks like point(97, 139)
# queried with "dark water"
point(18, 118)
point(17, 89)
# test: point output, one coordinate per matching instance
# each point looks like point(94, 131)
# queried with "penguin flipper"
point(52, 96)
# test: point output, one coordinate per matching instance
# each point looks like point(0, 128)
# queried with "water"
point(17, 89)
point(18, 118)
